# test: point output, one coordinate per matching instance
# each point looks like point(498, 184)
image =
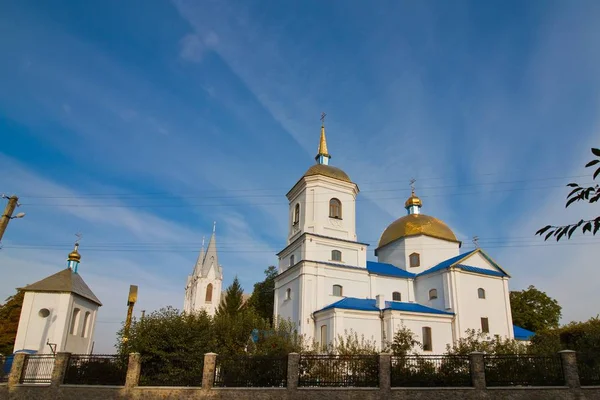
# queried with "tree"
point(403, 342)
point(234, 299)
point(263, 295)
point(10, 312)
point(589, 194)
point(534, 310)
point(476, 340)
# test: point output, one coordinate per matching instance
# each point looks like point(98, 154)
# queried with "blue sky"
point(139, 123)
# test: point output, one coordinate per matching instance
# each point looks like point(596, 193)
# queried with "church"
point(421, 279)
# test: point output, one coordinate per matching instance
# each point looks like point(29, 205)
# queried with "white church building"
point(58, 313)
point(420, 281)
point(203, 287)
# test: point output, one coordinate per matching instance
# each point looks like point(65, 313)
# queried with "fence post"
point(208, 372)
point(293, 368)
point(385, 372)
point(477, 370)
point(16, 370)
point(568, 360)
point(134, 368)
point(61, 361)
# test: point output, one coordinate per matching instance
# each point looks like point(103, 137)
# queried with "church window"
point(337, 290)
point(414, 260)
point(323, 337)
point(433, 294)
point(288, 294)
point(86, 322)
point(427, 342)
point(485, 325)
point(44, 313)
point(336, 255)
point(481, 293)
point(209, 293)
point(292, 261)
point(335, 209)
point(396, 296)
point(296, 214)
point(74, 322)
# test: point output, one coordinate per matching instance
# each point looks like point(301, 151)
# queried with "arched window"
point(396, 296)
point(481, 293)
point(433, 294)
point(336, 255)
point(86, 321)
point(209, 293)
point(75, 321)
point(335, 209)
point(296, 219)
point(292, 260)
point(414, 260)
point(337, 290)
point(427, 340)
point(485, 325)
point(323, 337)
point(288, 294)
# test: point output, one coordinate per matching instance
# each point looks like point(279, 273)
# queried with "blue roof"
point(387, 269)
point(353, 303)
point(522, 333)
point(452, 261)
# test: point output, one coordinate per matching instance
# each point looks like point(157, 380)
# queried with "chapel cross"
point(323, 115)
point(476, 241)
point(412, 185)
point(79, 236)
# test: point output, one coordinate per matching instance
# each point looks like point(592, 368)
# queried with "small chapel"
point(421, 279)
point(59, 313)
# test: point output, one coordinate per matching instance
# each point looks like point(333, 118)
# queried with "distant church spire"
point(413, 204)
point(323, 155)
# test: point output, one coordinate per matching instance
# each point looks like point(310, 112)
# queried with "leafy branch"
point(590, 194)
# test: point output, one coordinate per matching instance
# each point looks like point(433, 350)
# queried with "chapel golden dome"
point(413, 200)
point(327, 170)
point(74, 255)
point(416, 224)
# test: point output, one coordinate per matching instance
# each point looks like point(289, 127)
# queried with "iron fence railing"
point(96, 369)
point(523, 370)
point(430, 371)
point(589, 369)
point(338, 371)
point(251, 371)
point(171, 370)
point(38, 368)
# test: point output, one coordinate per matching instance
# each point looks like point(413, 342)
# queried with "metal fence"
point(589, 369)
point(96, 369)
point(251, 371)
point(338, 371)
point(430, 371)
point(38, 368)
point(171, 370)
point(523, 370)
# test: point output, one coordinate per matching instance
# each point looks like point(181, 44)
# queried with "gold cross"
point(323, 115)
point(412, 185)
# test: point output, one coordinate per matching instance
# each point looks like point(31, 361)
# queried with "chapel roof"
point(353, 303)
point(65, 281)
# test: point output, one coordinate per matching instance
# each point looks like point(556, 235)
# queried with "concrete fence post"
point(570, 371)
point(208, 372)
point(134, 369)
point(293, 371)
point(385, 373)
point(477, 370)
point(61, 362)
point(16, 370)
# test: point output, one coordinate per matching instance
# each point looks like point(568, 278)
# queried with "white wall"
point(432, 251)
point(441, 328)
point(479, 261)
point(496, 305)
point(80, 342)
point(366, 324)
point(422, 286)
point(382, 285)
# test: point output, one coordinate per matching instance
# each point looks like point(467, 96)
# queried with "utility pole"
point(13, 202)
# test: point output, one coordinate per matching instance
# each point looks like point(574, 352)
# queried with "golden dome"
point(416, 224)
point(328, 170)
point(74, 255)
point(413, 200)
